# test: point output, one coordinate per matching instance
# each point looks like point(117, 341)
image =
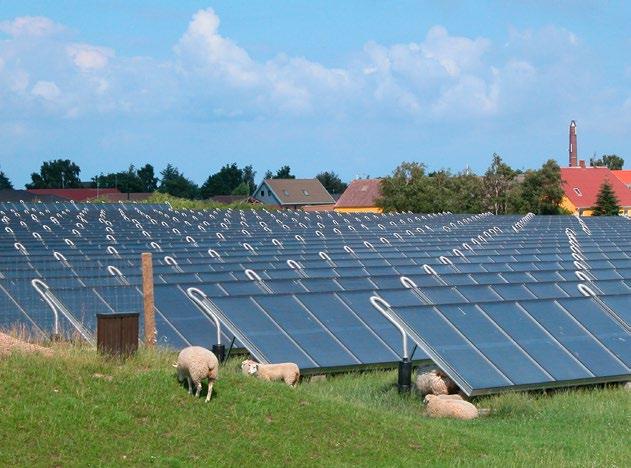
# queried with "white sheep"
point(449, 406)
point(195, 364)
point(286, 371)
point(435, 382)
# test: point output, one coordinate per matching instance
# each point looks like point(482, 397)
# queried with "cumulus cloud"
point(46, 89)
point(441, 76)
point(30, 26)
point(88, 57)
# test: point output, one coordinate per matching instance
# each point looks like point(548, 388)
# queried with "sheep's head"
point(249, 367)
point(253, 368)
point(429, 398)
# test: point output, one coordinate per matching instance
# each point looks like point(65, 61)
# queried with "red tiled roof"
point(623, 176)
point(581, 185)
point(76, 194)
point(361, 193)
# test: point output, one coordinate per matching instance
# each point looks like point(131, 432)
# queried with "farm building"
point(360, 197)
point(293, 193)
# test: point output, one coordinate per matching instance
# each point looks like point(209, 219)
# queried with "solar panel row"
point(497, 302)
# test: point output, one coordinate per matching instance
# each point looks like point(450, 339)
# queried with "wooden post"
point(147, 292)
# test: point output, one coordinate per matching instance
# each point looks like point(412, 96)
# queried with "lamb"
point(449, 406)
point(435, 383)
point(286, 371)
point(194, 364)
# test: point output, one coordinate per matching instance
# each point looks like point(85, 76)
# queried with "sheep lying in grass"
point(195, 364)
point(435, 383)
point(449, 406)
point(287, 371)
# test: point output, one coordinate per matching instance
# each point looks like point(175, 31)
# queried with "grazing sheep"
point(286, 371)
point(435, 383)
point(195, 364)
point(448, 406)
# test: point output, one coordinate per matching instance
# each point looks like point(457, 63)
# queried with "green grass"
point(81, 409)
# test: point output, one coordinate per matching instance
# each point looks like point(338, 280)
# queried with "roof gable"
point(361, 193)
point(581, 185)
point(299, 191)
point(623, 176)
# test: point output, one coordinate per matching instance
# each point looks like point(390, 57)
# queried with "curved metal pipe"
point(200, 298)
point(384, 308)
point(408, 283)
point(42, 288)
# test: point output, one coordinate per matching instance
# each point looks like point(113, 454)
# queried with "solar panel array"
point(498, 302)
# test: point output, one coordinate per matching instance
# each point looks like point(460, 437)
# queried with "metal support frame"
point(404, 380)
point(56, 306)
point(201, 300)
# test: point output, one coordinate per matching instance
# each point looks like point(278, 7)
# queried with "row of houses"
point(580, 184)
point(310, 195)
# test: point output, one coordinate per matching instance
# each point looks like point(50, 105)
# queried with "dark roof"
point(361, 193)
point(587, 182)
point(76, 194)
point(299, 191)
point(10, 195)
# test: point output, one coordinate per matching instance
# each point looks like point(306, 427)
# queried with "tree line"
point(229, 180)
point(501, 190)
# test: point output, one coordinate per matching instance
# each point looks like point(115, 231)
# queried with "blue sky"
point(355, 86)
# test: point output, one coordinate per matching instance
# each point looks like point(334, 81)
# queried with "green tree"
point(242, 189)
point(332, 182)
point(222, 182)
point(268, 175)
point(5, 183)
point(174, 183)
point(466, 193)
point(607, 203)
point(148, 179)
point(284, 173)
point(58, 173)
point(498, 181)
point(542, 190)
point(248, 177)
point(129, 181)
point(407, 189)
point(612, 161)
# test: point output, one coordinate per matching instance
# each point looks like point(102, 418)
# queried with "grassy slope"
point(57, 412)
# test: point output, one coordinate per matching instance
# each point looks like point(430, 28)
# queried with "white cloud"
point(30, 26)
point(440, 77)
point(46, 89)
point(88, 57)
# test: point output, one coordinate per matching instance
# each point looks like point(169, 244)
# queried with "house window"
point(364, 188)
point(262, 193)
point(578, 191)
point(305, 192)
point(286, 192)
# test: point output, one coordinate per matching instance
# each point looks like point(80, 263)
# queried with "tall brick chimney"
point(572, 149)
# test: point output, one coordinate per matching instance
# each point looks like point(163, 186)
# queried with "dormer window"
point(286, 192)
point(578, 191)
point(305, 192)
point(364, 188)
